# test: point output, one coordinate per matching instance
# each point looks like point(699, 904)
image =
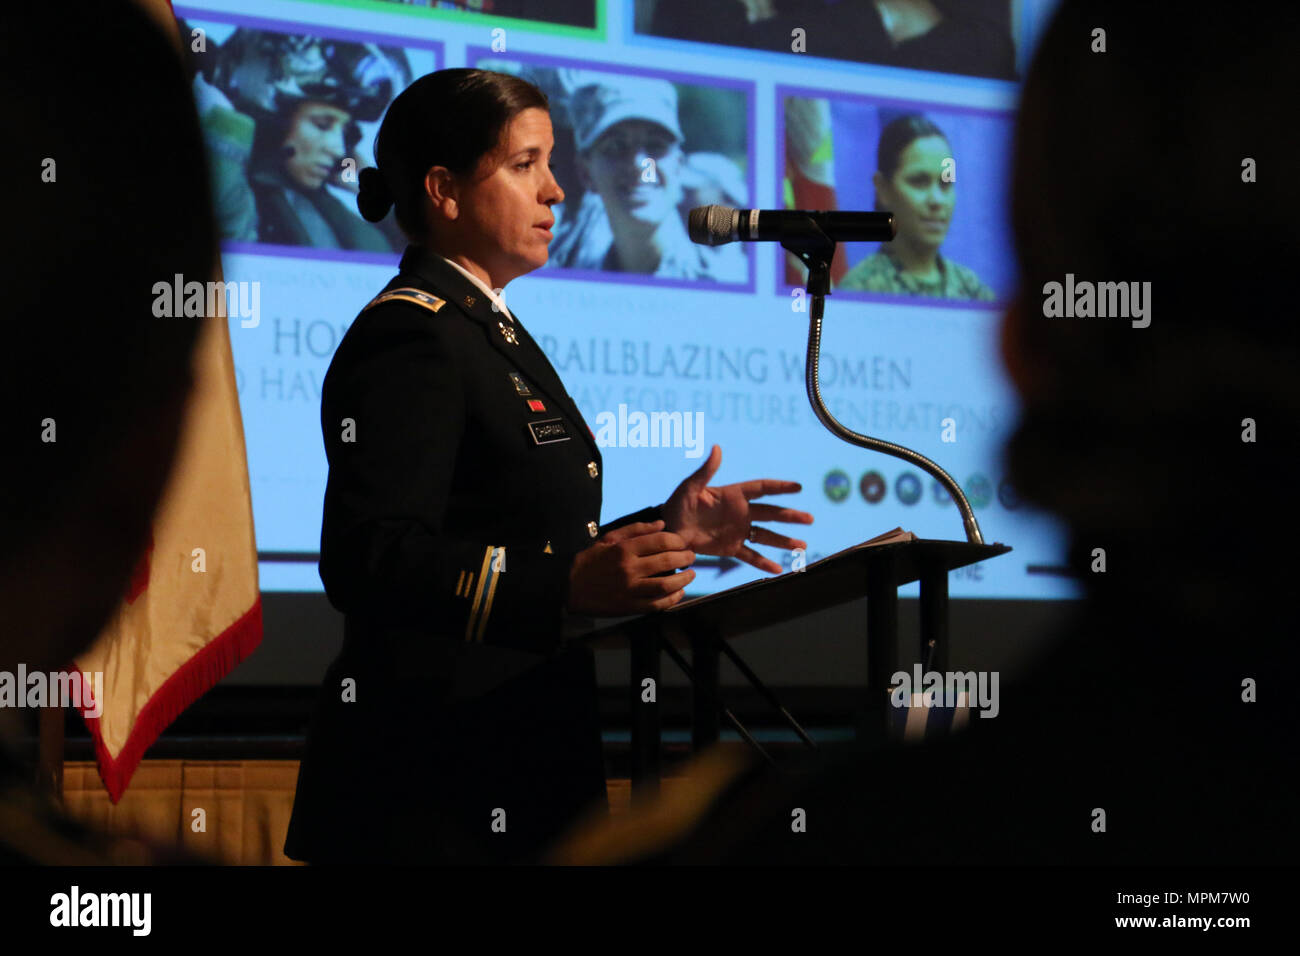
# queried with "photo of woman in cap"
point(461, 533)
point(910, 181)
point(637, 183)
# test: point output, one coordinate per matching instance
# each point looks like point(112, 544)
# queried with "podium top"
point(843, 576)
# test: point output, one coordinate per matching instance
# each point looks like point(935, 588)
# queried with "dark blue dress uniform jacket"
point(455, 725)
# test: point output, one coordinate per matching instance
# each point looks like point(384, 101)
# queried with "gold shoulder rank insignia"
point(417, 296)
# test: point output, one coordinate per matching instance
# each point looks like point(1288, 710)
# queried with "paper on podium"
point(888, 537)
point(888, 560)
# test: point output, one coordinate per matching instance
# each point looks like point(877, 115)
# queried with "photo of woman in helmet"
point(284, 119)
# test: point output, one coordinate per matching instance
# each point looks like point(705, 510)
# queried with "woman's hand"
point(719, 520)
point(616, 575)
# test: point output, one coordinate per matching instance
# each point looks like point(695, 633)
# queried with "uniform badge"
point(536, 405)
point(408, 294)
point(549, 431)
point(508, 332)
point(521, 387)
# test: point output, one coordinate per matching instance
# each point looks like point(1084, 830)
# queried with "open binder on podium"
point(874, 569)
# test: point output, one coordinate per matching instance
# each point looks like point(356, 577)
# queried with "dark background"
point(817, 667)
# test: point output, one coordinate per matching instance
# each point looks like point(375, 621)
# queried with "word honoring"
point(977, 689)
point(103, 909)
point(655, 430)
point(71, 689)
point(1085, 300)
point(195, 299)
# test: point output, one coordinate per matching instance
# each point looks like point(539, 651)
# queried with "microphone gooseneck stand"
point(815, 250)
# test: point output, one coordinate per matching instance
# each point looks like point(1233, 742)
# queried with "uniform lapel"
point(524, 353)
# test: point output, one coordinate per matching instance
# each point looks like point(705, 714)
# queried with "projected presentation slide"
point(643, 326)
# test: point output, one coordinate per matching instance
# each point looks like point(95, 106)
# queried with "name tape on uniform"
point(549, 431)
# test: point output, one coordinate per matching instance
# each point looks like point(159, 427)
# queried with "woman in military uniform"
point(461, 521)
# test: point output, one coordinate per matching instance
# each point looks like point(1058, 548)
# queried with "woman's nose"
point(553, 193)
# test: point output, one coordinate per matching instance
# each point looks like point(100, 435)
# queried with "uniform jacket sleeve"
point(653, 513)
point(385, 551)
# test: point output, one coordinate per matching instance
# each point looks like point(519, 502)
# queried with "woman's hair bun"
point(374, 198)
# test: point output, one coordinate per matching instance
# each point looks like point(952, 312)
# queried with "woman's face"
point(917, 194)
point(316, 138)
point(504, 215)
point(636, 168)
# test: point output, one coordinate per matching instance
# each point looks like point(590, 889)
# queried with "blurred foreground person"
point(92, 384)
point(1160, 727)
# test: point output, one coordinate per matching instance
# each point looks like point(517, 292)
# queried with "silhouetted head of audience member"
point(1159, 163)
point(108, 195)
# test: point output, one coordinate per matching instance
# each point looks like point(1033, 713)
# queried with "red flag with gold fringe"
point(192, 610)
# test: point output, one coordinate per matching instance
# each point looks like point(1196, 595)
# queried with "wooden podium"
point(876, 570)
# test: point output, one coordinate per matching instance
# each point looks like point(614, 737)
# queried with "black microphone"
point(718, 225)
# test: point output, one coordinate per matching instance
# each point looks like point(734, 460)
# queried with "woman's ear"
point(441, 190)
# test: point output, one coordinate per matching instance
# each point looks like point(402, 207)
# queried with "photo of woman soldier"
point(284, 116)
point(915, 180)
point(914, 176)
point(634, 155)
